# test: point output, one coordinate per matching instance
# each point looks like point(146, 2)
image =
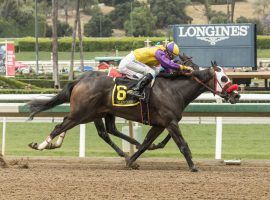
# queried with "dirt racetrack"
point(107, 178)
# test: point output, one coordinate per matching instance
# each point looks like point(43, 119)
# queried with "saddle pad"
point(120, 97)
point(114, 73)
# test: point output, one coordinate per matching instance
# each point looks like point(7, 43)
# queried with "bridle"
point(205, 85)
point(223, 92)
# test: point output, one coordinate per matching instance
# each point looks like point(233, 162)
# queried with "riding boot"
point(136, 91)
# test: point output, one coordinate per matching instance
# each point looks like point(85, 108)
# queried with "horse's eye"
point(224, 79)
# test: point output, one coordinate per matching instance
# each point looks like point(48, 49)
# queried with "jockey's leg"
point(130, 72)
point(148, 73)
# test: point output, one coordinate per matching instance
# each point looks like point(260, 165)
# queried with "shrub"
point(90, 44)
point(13, 83)
point(27, 91)
point(263, 42)
point(106, 44)
point(43, 83)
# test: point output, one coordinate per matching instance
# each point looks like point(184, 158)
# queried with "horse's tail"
point(37, 106)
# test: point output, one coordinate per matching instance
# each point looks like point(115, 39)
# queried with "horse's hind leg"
point(67, 124)
point(162, 144)
point(111, 128)
point(58, 143)
point(104, 135)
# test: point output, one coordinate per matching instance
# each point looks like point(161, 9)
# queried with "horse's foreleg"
point(104, 135)
point(162, 144)
point(111, 128)
point(175, 132)
point(152, 134)
point(67, 124)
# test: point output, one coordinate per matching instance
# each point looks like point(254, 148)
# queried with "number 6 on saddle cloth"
point(120, 96)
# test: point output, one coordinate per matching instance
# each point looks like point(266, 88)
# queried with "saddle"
point(120, 96)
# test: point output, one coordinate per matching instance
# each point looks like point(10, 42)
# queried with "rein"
point(206, 86)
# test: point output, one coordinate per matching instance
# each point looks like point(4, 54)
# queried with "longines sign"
point(232, 45)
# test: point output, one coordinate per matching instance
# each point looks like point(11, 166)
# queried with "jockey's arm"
point(169, 64)
point(166, 63)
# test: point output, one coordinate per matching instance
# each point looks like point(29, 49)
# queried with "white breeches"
point(135, 69)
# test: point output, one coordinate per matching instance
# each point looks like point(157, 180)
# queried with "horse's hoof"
point(194, 169)
point(33, 145)
point(133, 166)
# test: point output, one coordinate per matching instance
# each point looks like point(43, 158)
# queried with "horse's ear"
point(180, 56)
point(212, 63)
point(184, 54)
point(215, 63)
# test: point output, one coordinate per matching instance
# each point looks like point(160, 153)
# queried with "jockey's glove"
point(186, 68)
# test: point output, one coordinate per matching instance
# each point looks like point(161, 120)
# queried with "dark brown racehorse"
point(90, 100)
point(110, 119)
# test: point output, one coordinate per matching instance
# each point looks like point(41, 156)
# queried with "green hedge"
point(90, 44)
point(104, 44)
point(43, 83)
point(40, 76)
point(25, 91)
point(14, 84)
point(263, 42)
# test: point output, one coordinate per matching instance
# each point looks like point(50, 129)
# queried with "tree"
point(73, 45)
point(266, 23)
point(63, 29)
point(219, 18)
point(171, 12)
point(113, 2)
point(99, 26)
point(121, 13)
point(143, 23)
point(259, 25)
point(55, 43)
point(21, 19)
point(80, 41)
point(261, 6)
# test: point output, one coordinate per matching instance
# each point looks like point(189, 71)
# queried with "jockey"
point(143, 64)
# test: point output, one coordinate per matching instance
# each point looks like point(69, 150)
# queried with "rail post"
point(218, 134)
point(4, 135)
point(82, 141)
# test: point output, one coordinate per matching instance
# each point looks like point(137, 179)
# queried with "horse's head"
point(215, 80)
point(185, 60)
point(223, 86)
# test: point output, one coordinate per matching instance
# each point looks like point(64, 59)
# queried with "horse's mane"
point(201, 74)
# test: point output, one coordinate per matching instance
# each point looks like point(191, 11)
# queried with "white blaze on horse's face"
point(221, 79)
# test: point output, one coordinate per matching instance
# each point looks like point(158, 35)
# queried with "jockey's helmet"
point(172, 49)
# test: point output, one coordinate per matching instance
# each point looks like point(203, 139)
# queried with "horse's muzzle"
point(233, 97)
